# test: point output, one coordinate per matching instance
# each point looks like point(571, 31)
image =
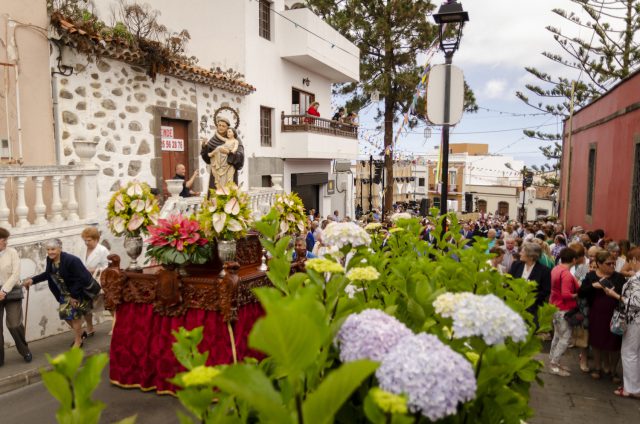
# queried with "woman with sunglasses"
point(605, 344)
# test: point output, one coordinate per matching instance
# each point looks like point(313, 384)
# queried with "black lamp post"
point(450, 14)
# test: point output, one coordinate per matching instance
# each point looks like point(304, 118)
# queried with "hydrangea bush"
point(405, 332)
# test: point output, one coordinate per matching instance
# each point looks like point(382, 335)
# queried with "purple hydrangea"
point(433, 376)
point(369, 334)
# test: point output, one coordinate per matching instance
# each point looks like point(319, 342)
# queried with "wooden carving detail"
point(168, 297)
point(140, 288)
point(249, 250)
point(201, 294)
point(229, 291)
point(112, 280)
point(245, 294)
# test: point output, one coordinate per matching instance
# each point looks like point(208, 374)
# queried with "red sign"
point(172, 144)
point(166, 132)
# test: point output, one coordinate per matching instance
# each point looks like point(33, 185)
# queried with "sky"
point(500, 39)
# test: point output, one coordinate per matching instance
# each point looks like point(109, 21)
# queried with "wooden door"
point(174, 145)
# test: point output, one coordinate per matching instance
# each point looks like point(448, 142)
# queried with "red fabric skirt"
point(141, 354)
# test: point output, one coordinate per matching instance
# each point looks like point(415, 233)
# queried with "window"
point(436, 202)
point(542, 213)
point(4, 149)
point(420, 182)
point(265, 126)
point(503, 208)
point(266, 181)
point(300, 101)
point(482, 206)
point(264, 19)
point(591, 179)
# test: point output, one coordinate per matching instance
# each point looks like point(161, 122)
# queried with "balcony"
point(309, 137)
point(331, 56)
point(37, 201)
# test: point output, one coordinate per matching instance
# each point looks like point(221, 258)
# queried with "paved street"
point(576, 399)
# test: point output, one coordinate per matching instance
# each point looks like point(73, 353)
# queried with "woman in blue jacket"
point(67, 277)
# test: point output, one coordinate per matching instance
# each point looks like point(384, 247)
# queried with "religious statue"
point(224, 152)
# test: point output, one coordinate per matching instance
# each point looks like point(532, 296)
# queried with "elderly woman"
point(629, 299)
point(614, 249)
point(604, 344)
point(530, 269)
point(95, 259)
point(67, 277)
point(11, 298)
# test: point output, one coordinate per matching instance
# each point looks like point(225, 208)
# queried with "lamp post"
point(450, 13)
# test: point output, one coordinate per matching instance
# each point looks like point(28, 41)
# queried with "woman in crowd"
point(581, 333)
point(630, 300)
point(95, 259)
point(559, 243)
point(67, 277)
point(11, 298)
point(614, 249)
point(496, 261)
point(564, 291)
point(545, 257)
point(604, 344)
point(530, 269)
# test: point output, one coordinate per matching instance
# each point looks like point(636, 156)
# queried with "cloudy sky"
point(500, 39)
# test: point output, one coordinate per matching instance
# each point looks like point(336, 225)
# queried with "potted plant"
point(225, 216)
point(178, 240)
point(130, 211)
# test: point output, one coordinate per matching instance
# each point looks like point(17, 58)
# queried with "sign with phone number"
point(172, 144)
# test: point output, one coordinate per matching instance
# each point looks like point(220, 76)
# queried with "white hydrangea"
point(341, 234)
point(400, 215)
point(485, 316)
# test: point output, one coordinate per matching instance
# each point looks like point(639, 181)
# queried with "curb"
point(32, 376)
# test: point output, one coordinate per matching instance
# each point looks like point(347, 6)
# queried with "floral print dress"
point(66, 311)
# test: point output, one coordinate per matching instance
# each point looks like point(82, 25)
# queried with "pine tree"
point(607, 55)
point(390, 34)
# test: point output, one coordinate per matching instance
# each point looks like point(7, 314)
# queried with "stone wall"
point(119, 106)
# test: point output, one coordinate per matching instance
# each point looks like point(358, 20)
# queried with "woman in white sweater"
point(11, 297)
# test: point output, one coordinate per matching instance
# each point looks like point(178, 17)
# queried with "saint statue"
point(225, 153)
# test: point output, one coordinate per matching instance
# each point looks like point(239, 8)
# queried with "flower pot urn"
point(174, 187)
point(226, 252)
point(133, 247)
point(85, 149)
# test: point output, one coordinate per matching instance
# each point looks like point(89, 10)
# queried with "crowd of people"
point(340, 117)
point(68, 277)
point(586, 275)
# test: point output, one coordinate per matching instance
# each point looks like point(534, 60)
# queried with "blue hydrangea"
point(484, 316)
point(369, 335)
point(434, 377)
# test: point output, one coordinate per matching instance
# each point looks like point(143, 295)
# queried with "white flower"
point(342, 234)
point(367, 273)
point(400, 215)
point(485, 316)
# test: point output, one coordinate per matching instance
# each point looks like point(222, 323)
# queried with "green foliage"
point(73, 384)
point(302, 379)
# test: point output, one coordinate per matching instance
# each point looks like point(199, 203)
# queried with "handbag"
point(92, 290)
point(618, 324)
point(15, 293)
point(574, 317)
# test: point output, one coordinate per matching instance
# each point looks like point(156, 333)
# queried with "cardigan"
point(9, 269)
point(75, 275)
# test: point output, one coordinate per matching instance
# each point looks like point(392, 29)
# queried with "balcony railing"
point(34, 197)
point(309, 123)
point(260, 202)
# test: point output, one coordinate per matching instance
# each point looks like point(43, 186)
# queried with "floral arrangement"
point(225, 215)
point(132, 209)
point(292, 214)
point(485, 316)
point(178, 240)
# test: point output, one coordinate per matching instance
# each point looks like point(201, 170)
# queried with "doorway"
point(310, 196)
point(174, 145)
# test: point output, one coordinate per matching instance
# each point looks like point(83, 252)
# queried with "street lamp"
point(450, 13)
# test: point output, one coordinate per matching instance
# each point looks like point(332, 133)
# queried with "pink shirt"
point(563, 287)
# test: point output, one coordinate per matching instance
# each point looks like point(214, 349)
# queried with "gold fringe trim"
point(144, 389)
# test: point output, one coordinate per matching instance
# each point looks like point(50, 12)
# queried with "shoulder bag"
point(619, 319)
point(92, 290)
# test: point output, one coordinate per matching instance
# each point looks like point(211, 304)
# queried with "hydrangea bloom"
point(200, 376)
point(341, 234)
point(433, 376)
point(323, 265)
point(369, 335)
point(373, 226)
point(366, 273)
point(485, 316)
point(400, 215)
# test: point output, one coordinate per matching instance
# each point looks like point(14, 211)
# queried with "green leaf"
point(68, 362)
point(129, 420)
point(292, 331)
point(58, 386)
point(250, 384)
point(321, 405)
point(197, 400)
point(88, 379)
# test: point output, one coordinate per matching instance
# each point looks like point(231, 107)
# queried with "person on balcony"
point(181, 172)
point(67, 277)
point(11, 298)
point(313, 111)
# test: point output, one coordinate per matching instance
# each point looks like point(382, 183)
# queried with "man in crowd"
point(181, 172)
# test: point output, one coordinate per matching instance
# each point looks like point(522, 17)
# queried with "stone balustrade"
point(33, 198)
point(260, 202)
